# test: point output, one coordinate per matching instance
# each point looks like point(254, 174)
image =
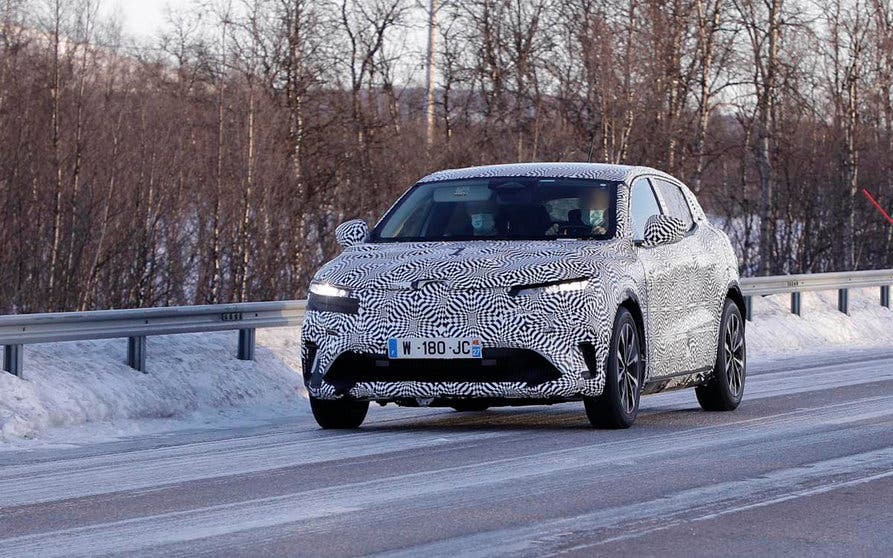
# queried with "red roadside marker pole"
point(877, 206)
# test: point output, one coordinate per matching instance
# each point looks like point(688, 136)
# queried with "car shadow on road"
point(560, 417)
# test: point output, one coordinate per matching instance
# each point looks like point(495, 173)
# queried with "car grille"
point(497, 365)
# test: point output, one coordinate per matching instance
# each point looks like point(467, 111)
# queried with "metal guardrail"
point(841, 281)
point(136, 324)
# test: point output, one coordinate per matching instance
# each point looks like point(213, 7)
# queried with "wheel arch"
point(630, 301)
point(734, 293)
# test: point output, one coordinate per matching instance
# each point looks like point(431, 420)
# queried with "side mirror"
point(350, 233)
point(663, 229)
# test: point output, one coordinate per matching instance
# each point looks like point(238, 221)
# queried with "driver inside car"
point(592, 215)
point(596, 206)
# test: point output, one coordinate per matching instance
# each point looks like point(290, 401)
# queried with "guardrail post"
point(843, 301)
point(795, 303)
point(13, 357)
point(748, 308)
point(136, 353)
point(246, 344)
point(885, 296)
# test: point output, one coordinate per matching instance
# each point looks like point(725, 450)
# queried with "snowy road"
point(804, 467)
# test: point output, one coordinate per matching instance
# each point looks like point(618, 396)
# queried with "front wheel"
point(338, 413)
point(725, 388)
point(618, 404)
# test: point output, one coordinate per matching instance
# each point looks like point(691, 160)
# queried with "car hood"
point(465, 265)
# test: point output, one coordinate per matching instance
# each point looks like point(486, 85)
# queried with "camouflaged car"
point(527, 284)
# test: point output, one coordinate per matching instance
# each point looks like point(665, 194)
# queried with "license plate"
point(434, 347)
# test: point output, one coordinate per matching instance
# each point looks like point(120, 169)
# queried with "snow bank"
point(196, 381)
point(191, 378)
point(775, 330)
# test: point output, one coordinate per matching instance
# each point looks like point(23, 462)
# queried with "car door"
point(703, 274)
point(668, 270)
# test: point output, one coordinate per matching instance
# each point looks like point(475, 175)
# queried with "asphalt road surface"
point(803, 468)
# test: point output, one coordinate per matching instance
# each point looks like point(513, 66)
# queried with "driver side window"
point(643, 204)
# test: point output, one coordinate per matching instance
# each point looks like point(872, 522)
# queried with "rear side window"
point(643, 205)
point(675, 202)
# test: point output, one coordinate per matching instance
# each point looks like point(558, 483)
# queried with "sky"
point(140, 18)
point(143, 20)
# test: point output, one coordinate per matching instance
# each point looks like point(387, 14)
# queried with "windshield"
point(503, 208)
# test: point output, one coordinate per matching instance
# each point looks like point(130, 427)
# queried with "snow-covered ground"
point(82, 391)
point(193, 381)
point(775, 330)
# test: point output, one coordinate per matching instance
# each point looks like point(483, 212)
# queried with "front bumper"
point(540, 347)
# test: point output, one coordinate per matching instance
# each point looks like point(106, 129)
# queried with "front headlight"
point(550, 288)
point(327, 289)
point(325, 297)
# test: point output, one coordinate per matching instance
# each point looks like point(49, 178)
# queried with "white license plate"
point(434, 347)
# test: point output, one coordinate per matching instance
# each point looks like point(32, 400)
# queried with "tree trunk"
point(429, 77)
point(764, 138)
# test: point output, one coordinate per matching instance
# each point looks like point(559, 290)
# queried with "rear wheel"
point(725, 388)
point(469, 406)
point(618, 404)
point(338, 413)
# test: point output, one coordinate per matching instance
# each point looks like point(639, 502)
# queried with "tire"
point(725, 388)
point(338, 413)
point(618, 404)
point(469, 405)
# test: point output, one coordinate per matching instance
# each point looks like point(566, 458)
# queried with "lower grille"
point(497, 365)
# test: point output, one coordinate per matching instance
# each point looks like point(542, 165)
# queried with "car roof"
point(593, 171)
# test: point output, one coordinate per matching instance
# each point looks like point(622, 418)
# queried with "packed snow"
point(83, 391)
point(775, 330)
point(193, 380)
